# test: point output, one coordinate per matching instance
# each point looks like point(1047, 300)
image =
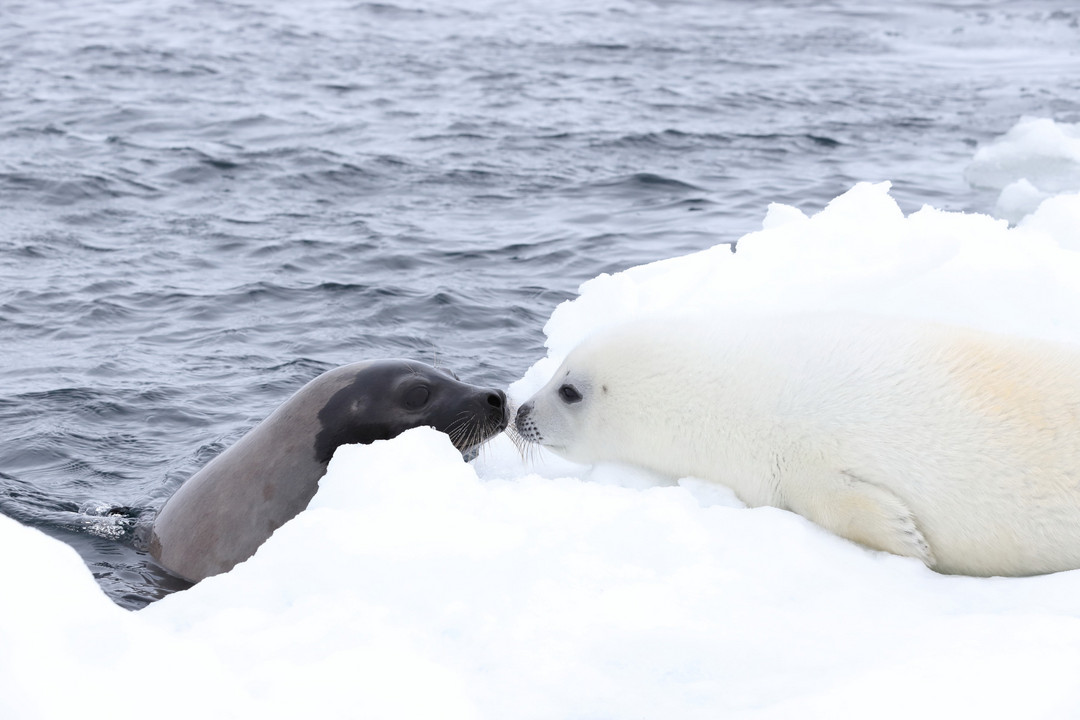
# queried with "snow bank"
point(415, 588)
point(418, 586)
point(861, 252)
point(67, 651)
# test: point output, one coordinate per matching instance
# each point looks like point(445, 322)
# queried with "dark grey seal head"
point(224, 512)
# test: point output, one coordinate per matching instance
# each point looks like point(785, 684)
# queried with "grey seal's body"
point(224, 512)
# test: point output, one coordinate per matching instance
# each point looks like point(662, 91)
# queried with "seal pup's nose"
point(523, 413)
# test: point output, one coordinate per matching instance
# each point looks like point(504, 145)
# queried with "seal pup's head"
point(607, 400)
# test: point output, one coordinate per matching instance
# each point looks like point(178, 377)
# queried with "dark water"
point(204, 204)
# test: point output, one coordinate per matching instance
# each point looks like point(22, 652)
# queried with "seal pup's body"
point(221, 515)
point(957, 447)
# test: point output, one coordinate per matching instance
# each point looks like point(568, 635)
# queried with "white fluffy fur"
point(950, 445)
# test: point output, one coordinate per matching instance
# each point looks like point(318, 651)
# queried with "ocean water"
point(203, 205)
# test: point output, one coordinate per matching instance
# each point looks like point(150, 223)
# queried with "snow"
point(416, 585)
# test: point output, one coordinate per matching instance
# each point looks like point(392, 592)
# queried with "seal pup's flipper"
point(859, 510)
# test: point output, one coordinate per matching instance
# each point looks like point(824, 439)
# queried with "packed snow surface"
point(416, 585)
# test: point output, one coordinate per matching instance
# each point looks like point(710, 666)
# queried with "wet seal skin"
point(224, 512)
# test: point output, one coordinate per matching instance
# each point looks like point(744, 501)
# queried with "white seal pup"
point(224, 512)
point(954, 446)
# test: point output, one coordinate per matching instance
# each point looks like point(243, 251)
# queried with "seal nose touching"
point(526, 426)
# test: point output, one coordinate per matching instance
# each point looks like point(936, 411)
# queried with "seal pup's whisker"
point(528, 450)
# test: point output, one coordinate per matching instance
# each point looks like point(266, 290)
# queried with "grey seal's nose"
point(498, 408)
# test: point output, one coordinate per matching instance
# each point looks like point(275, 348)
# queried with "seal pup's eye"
point(569, 394)
point(417, 397)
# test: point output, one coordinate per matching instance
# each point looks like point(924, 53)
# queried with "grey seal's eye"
point(417, 397)
point(570, 394)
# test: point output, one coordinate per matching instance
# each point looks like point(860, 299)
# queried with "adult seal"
point(220, 515)
point(953, 446)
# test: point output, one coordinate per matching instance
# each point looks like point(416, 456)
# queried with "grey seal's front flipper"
point(858, 510)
